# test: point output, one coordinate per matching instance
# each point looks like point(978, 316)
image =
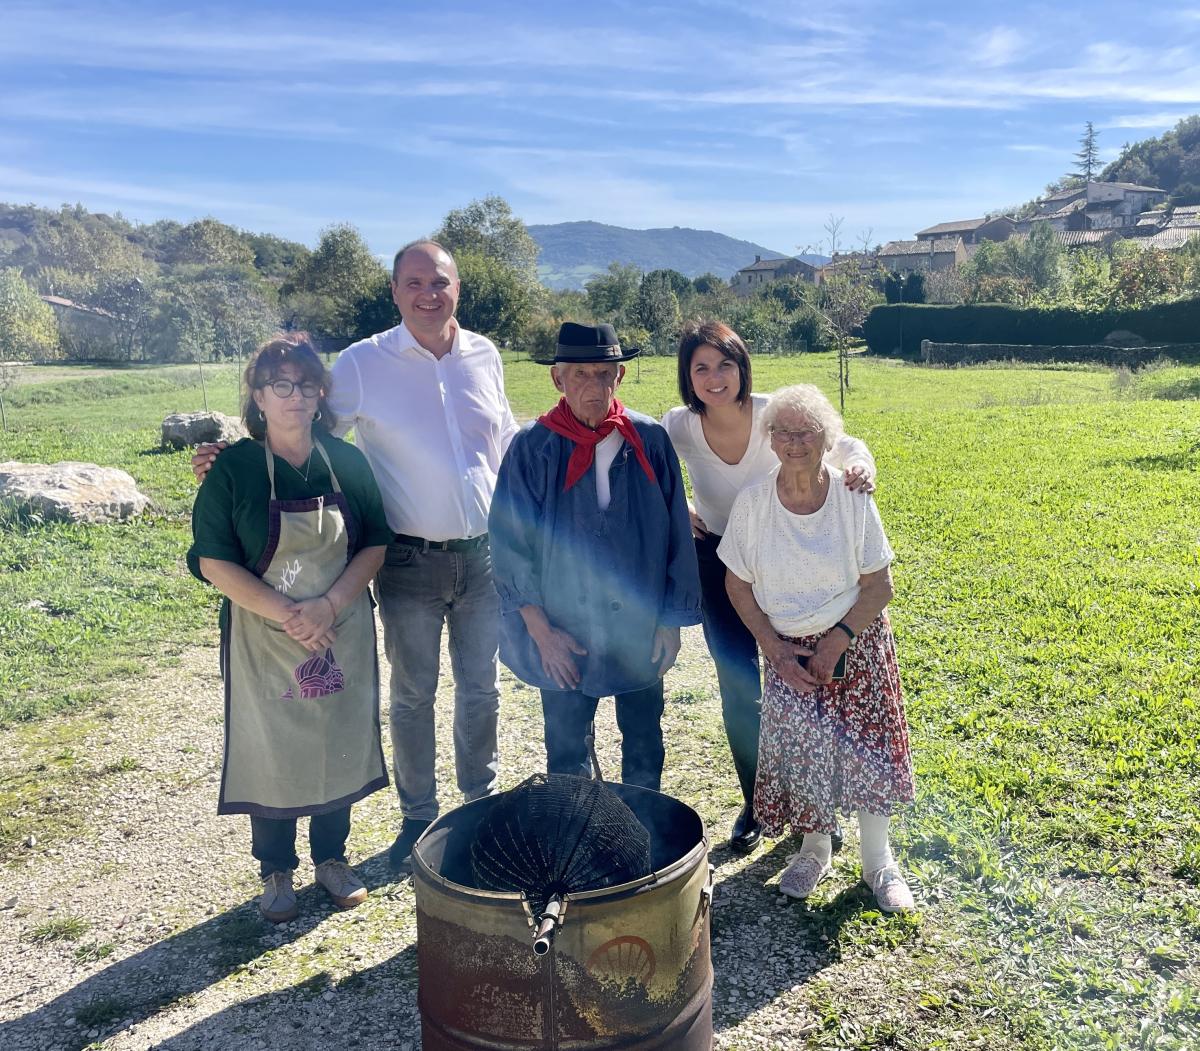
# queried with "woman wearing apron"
point(716, 435)
point(289, 526)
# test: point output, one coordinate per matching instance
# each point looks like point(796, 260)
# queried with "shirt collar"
point(409, 342)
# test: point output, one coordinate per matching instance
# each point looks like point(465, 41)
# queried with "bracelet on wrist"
point(850, 632)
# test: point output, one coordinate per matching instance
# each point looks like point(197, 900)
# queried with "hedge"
point(899, 328)
point(1095, 354)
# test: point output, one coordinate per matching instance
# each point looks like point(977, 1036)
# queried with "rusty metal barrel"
point(629, 968)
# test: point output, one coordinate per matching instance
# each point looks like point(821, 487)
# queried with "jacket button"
point(614, 605)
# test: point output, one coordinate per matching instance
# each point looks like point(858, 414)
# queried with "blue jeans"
point(639, 716)
point(735, 653)
point(273, 840)
point(419, 591)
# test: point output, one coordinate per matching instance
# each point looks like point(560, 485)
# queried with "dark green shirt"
point(230, 519)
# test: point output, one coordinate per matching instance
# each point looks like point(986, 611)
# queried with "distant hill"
point(571, 253)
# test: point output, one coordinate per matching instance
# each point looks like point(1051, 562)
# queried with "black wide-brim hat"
point(588, 344)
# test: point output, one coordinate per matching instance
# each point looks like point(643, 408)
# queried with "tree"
point(611, 296)
point(332, 286)
point(202, 314)
point(74, 240)
point(706, 284)
point(791, 293)
point(1088, 158)
point(494, 299)
point(28, 331)
point(8, 376)
point(844, 305)
point(893, 287)
point(657, 309)
point(1013, 271)
point(130, 302)
point(833, 232)
point(1037, 258)
point(680, 285)
point(1144, 277)
point(1088, 284)
point(914, 288)
point(209, 242)
point(947, 286)
point(488, 227)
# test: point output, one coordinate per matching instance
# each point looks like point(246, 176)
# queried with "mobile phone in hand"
point(839, 669)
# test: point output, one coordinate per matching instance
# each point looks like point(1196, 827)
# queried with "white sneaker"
point(890, 889)
point(801, 877)
point(278, 900)
point(341, 884)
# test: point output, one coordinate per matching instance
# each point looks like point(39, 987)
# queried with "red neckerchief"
point(561, 420)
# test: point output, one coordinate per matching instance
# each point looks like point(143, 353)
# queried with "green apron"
point(301, 728)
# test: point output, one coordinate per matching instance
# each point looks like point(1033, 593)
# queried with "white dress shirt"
point(715, 483)
point(433, 430)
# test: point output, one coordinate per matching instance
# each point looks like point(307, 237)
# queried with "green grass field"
point(1048, 592)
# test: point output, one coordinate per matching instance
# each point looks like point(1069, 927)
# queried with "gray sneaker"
point(278, 900)
point(341, 884)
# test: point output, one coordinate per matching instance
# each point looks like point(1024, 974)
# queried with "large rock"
point(181, 430)
point(71, 492)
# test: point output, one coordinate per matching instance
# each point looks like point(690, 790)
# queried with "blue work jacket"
point(609, 578)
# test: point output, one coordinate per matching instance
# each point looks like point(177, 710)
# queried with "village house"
point(85, 331)
point(906, 257)
point(1099, 206)
point(855, 265)
point(1090, 216)
point(972, 231)
point(1184, 217)
point(762, 271)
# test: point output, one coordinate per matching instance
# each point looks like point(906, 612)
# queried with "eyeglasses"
point(284, 388)
point(787, 437)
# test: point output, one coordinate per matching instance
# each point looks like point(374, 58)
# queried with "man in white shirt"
point(427, 404)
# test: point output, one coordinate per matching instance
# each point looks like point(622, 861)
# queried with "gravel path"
point(140, 930)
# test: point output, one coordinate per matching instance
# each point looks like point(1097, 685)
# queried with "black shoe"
point(400, 852)
point(746, 832)
point(835, 841)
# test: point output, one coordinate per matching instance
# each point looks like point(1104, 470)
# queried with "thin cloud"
point(999, 47)
point(1165, 121)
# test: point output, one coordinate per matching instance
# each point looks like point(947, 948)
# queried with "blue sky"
point(753, 117)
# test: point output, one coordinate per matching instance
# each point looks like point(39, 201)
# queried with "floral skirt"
point(842, 746)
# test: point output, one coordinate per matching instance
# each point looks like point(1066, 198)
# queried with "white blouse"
point(804, 568)
point(716, 483)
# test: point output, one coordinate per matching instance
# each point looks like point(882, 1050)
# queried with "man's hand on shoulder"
point(204, 457)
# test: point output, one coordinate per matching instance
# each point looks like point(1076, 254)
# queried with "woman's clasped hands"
point(310, 622)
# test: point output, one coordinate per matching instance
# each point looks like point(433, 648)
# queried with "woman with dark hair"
point(715, 434)
point(289, 527)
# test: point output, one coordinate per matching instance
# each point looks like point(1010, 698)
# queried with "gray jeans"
point(419, 591)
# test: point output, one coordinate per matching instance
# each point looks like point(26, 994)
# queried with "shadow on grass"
point(181, 966)
point(1186, 459)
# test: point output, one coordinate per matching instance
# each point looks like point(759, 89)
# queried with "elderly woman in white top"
point(716, 433)
point(808, 573)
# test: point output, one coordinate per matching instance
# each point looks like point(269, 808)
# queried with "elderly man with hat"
point(593, 559)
